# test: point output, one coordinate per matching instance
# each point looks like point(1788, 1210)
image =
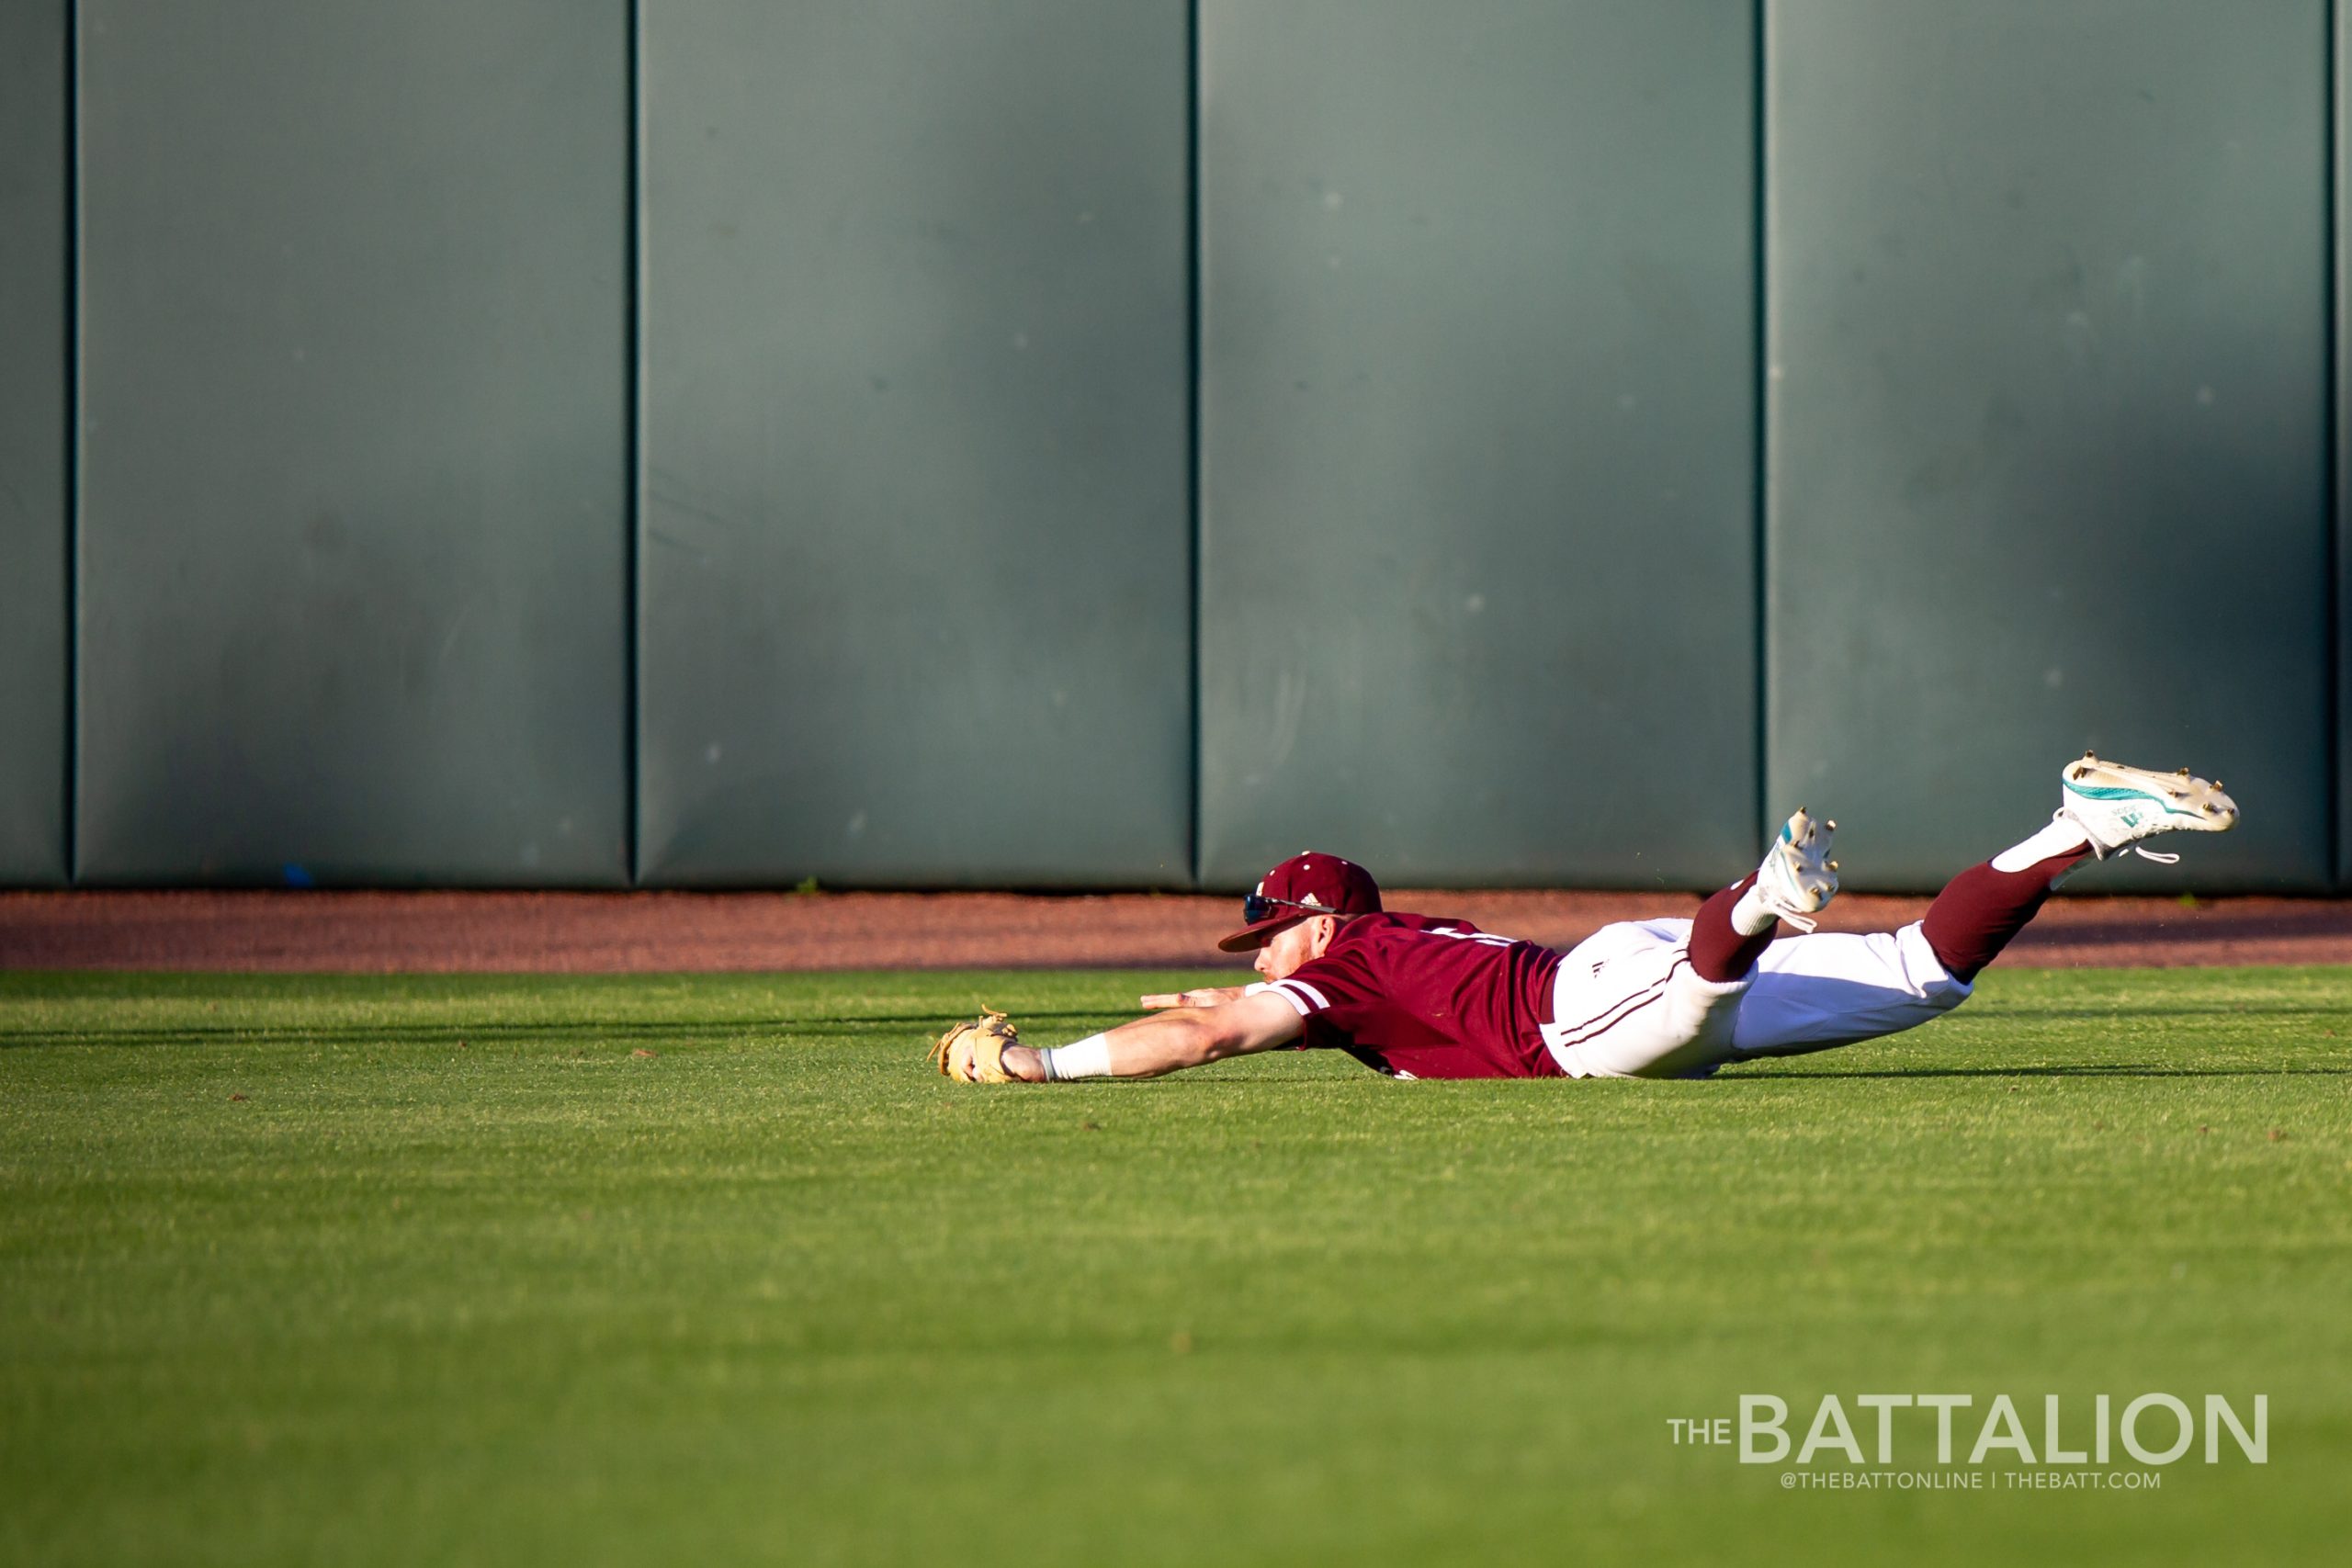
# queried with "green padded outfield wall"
point(1477, 430)
point(2048, 459)
point(915, 564)
point(2048, 289)
point(33, 391)
point(354, 522)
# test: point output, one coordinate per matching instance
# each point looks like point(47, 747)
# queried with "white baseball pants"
point(1627, 1005)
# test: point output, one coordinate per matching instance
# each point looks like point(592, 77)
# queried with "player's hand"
point(1206, 997)
point(1021, 1065)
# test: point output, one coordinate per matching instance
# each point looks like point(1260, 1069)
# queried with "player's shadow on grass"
point(558, 1031)
point(2079, 1070)
point(2155, 1008)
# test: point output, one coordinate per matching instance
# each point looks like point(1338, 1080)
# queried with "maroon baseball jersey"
point(1431, 998)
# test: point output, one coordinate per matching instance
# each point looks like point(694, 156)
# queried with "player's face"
point(1292, 946)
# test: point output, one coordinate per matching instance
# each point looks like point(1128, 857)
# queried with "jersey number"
point(1484, 938)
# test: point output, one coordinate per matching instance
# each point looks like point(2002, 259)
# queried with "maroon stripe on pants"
point(1621, 1009)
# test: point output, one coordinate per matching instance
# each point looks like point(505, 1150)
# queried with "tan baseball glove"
point(973, 1052)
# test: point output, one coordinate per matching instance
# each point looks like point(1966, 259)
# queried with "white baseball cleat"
point(1798, 878)
point(2116, 805)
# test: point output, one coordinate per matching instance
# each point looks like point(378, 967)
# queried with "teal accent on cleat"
point(2112, 804)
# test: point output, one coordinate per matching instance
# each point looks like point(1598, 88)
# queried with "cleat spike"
point(1832, 824)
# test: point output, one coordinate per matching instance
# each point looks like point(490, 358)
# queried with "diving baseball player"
point(1413, 995)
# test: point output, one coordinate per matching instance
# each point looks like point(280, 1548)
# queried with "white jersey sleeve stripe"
point(1298, 1004)
point(1302, 989)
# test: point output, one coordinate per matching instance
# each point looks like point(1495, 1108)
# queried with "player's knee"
point(1946, 997)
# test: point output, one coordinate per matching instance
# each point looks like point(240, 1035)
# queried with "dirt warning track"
point(653, 932)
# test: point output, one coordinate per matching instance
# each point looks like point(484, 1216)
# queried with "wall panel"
point(355, 520)
point(1478, 405)
point(916, 546)
point(33, 392)
point(2048, 319)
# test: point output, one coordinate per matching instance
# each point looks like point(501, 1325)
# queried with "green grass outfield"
point(450, 1270)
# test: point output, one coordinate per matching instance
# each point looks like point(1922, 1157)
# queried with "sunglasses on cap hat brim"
point(1257, 906)
point(1265, 917)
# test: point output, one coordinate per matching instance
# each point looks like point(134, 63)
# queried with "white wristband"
point(1087, 1058)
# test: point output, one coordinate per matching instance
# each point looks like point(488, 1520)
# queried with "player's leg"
point(1795, 882)
point(1835, 989)
point(2104, 808)
point(1654, 999)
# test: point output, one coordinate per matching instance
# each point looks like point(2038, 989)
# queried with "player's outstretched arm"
point(1202, 997)
point(1165, 1042)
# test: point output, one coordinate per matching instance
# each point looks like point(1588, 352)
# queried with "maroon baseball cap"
point(1305, 885)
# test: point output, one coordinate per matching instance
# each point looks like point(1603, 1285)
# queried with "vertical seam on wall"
point(1760, 171)
point(72, 797)
point(1195, 270)
point(633, 508)
point(2332, 665)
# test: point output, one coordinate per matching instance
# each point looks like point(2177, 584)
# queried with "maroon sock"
point(1979, 911)
point(1718, 951)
